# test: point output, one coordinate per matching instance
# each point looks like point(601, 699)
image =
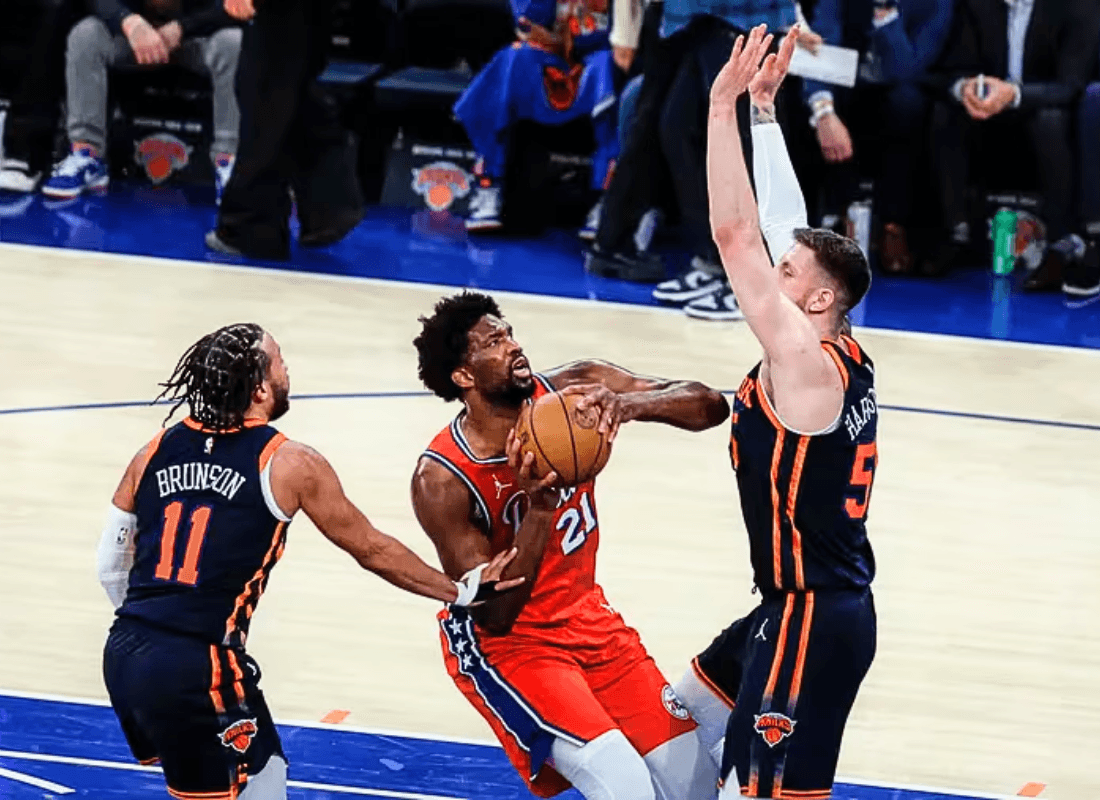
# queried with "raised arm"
point(781, 327)
point(683, 404)
point(301, 478)
point(443, 507)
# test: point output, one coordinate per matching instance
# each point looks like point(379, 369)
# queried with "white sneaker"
point(484, 210)
point(720, 306)
point(592, 224)
point(16, 176)
point(692, 285)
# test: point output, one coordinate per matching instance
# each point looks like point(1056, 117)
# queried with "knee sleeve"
point(267, 784)
point(682, 769)
point(707, 709)
point(607, 768)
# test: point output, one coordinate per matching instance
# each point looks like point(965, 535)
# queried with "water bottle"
point(859, 225)
point(1004, 241)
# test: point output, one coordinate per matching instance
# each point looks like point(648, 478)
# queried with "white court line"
point(119, 765)
point(434, 288)
point(49, 786)
point(911, 787)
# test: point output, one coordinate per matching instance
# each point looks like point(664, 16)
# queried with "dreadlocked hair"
point(217, 375)
point(444, 339)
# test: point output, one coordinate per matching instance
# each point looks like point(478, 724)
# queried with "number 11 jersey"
point(209, 532)
point(804, 497)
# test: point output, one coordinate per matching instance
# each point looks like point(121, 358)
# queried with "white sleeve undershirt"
point(778, 194)
point(115, 554)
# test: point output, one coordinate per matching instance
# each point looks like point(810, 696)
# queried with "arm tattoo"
point(762, 115)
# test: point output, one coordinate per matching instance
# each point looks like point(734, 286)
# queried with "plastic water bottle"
point(1004, 241)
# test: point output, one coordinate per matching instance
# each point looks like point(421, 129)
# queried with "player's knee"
point(607, 768)
point(267, 784)
point(708, 709)
point(682, 768)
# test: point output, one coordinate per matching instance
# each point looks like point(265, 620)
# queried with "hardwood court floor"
point(985, 529)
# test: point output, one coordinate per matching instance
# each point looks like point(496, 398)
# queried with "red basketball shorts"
point(573, 680)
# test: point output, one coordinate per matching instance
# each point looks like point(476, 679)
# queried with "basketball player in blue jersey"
point(196, 527)
point(782, 681)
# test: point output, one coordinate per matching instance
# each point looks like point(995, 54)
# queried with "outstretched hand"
point(741, 68)
point(483, 582)
point(765, 84)
point(542, 491)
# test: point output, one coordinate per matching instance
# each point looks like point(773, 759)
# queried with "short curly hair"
point(444, 339)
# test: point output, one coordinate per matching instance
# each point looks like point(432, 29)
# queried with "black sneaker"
point(637, 267)
point(702, 279)
point(1082, 277)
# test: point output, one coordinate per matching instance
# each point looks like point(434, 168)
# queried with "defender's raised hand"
point(742, 66)
point(765, 84)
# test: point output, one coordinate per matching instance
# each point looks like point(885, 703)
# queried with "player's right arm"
point(301, 478)
point(443, 506)
point(796, 359)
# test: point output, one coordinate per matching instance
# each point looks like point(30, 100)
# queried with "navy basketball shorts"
point(791, 670)
point(194, 707)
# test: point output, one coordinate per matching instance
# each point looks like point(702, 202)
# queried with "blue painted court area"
point(395, 244)
point(50, 748)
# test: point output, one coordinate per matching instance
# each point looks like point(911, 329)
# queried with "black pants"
point(670, 127)
point(36, 104)
point(290, 133)
point(794, 667)
point(195, 707)
point(888, 126)
point(1042, 137)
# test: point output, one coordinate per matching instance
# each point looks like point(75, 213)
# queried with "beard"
point(512, 394)
point(282, 402)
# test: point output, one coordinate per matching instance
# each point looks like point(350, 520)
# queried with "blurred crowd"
point(905, 117)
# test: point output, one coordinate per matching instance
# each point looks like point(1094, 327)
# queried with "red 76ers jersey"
point(568, 571)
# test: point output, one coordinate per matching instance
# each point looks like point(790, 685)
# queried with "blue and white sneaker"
point(485, 209)
point(592, 223)
point(223, 171)
point(77, 172)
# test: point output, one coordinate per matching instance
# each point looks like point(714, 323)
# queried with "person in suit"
point(1011, 72)
point(291, 137)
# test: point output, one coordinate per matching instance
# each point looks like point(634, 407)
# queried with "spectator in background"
point(36, 105)
point(1082, 280)
point(291, 136)
point(1011, 73)
point(561, 69)
point(196, 34)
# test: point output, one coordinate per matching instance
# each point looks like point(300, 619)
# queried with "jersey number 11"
point(188, 573)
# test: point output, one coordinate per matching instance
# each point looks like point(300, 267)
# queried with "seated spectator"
point(36, 102)
point(1012, 73)
point(196, 34)
point(561, 69)
point(879, 127)
point(1082, 280)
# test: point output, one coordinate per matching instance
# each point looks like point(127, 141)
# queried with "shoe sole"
point(494, 225)
point(587, 235)
point(685, 296)
point(1078, 291)
point(69, 194)
point(714, 316)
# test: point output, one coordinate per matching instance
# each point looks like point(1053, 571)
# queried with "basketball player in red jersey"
point(196, 526)
point(561, 679)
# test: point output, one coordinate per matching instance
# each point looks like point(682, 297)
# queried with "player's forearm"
point(500, 614)
point(394, 562)
point(782, 206)
point(686, 404)
point(733, 211)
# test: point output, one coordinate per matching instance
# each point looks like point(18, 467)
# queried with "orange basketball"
point(563, 439)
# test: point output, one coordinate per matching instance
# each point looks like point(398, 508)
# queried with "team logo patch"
point(561, 87)
point(239, 735)
point(160, 155)
point(773, 727)
point(441, 183)
point(673, 704)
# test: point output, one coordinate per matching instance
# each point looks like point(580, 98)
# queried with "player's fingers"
point(511, 583)
point(786, 49)
point(500, 561)
point(548, 482)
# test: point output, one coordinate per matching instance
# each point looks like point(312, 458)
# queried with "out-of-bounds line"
point(49, 758)
point(935, 412)
point(37, 782)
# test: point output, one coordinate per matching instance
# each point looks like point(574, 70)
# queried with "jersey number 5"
point(863, 475)
point(188, 573)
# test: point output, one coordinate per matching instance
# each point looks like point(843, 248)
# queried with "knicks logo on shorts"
point(673, 704)
point(239, 735)
point(773, 727)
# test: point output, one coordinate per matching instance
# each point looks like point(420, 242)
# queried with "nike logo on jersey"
point(195, 477)
point(858, 415)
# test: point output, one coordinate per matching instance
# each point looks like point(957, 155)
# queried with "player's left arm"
point(623, 396)
point(115, 553)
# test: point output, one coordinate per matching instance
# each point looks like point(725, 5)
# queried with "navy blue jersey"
point(805, 497)
point(208, 531)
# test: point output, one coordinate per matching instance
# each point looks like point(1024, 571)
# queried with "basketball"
point(563, 439)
